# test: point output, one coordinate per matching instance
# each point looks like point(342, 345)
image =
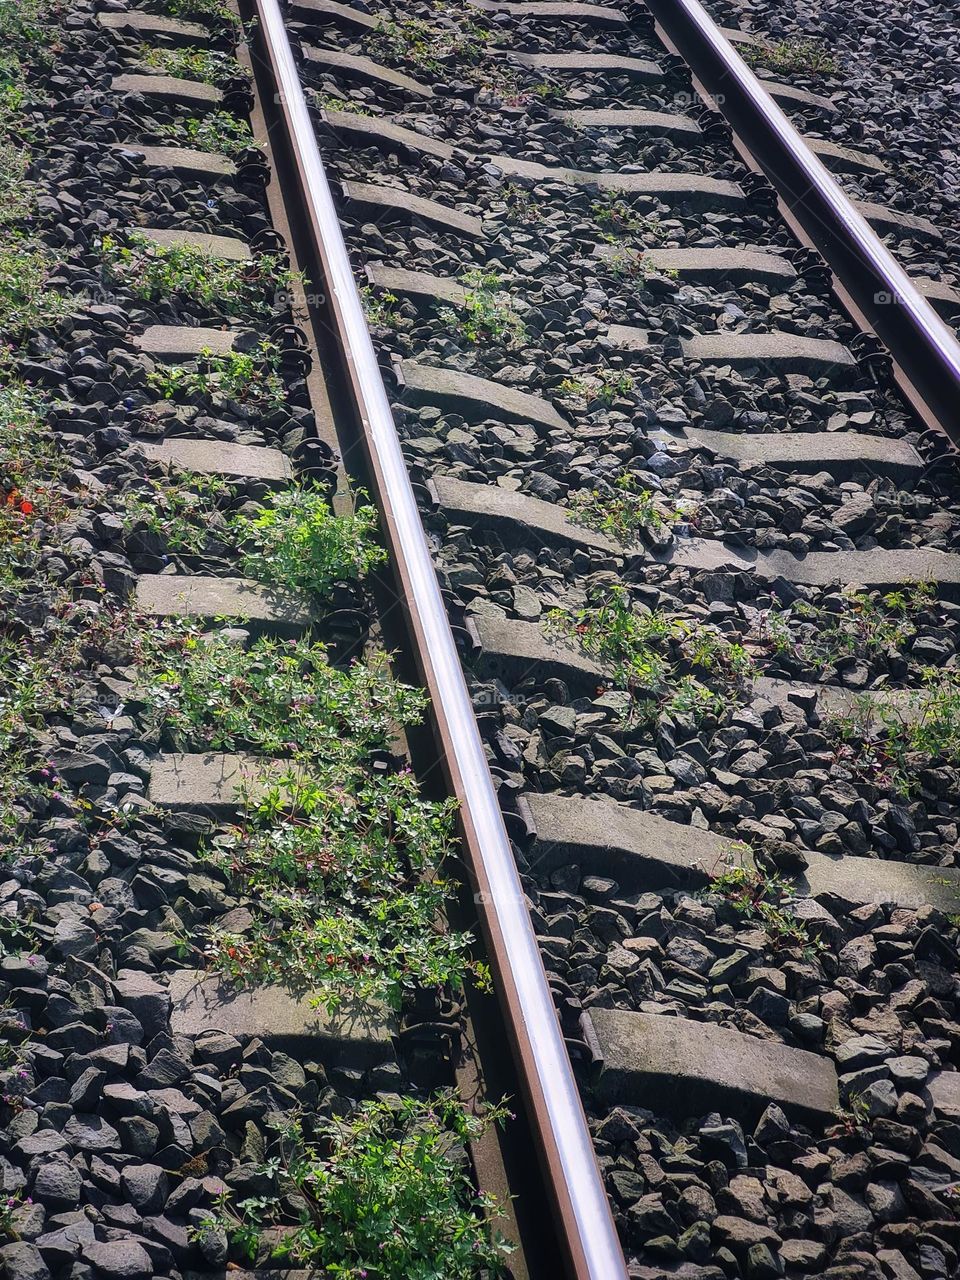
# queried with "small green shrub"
point(279, 698)
point(155, 272)
point(433, 47)
point(660, 659)
point(217, 9)
point(18, 194)
point(605, 385)
point(890, 744)
point(207, 65)
point(218, 132)
point(28, 450)
point(239, 375)
point(761, 896)
point(26, 302)
point(296, 541)
point(487, 313)
point(864, 624)
point(789, 56)
point(183, 511)
point(332, 102)
point(379, 307)
point(622, 510)
point(384, 1192)
point(345, 877)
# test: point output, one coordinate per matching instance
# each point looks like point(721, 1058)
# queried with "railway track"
point(668, 543)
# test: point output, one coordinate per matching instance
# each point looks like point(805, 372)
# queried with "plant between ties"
point(385, 1193)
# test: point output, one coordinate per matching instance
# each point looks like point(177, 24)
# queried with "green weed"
point(28, 450)
point(386, 1191)
point(789, 56)
point(26, 302)
point(487, 313)
point(18, 194)
point(183, 512)
point(241, 376)
point(218, 132)
point(760, 896)
point(891, 744)
point(331, 102)
point(433, 47)
point(295, 541)
point(280, 698)
point(345, 876)
point(621, 509)
point(209, 66)
point(662, 660)
point(604, 385)
point(218, 9)
point(379, 307)
point(862, 625)
point(155, 272)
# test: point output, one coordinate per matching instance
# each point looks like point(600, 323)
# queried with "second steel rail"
point(872, 284)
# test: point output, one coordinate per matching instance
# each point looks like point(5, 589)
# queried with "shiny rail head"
point(882, 295)
point(586, 1229)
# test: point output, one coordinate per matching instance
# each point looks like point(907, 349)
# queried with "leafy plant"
point(296, 541)
point(18, 194)
point(345, 877)
point(891, 743)
point(331, 102)
point(24, 30)
point(26, 301)
point(385, 1192)
point(182, 512)
point(863, 624)
point(760, 896)
point(9, 1206)
point(793, 56)
point(487, 313)
point(379, 307)
point(28, 450)
point(521, 204)
point(156, 272)
point(613, 214)
point(218, 9)
point(274, 698)
point(238, 375)
point(659, 658)
point(218, 132)
point(620, 510)
point(605, 385)
point(432, 47)
point(625, 263)
point(210, 66)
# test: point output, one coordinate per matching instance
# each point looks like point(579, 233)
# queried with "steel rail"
point(584, 1225)
point(925, 352)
